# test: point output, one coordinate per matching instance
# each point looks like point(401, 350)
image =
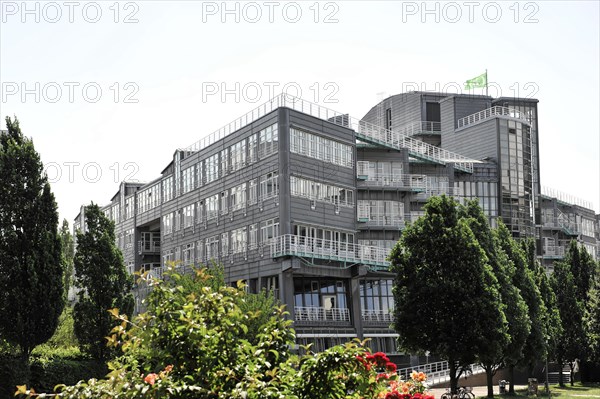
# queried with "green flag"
point(479, 81)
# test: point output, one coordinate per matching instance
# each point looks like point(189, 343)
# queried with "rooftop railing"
point(365, 131)
point(421, 127)
point(493, 112)
point(566, 198)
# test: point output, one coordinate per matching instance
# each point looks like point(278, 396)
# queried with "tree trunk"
point(571, 373)
point(453, 378)
point(511, 376)
point(561, 383)
point(490, 381)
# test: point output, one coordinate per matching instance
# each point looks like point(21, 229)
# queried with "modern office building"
point(307, 202)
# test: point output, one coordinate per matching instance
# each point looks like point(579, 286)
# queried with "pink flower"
point(151, 378)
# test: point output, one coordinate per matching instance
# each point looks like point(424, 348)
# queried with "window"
point(252, 192)
point(238, 240)
point(225, 244)
point(238, 155)
point(129, 238)
point(148, 199)
point(272, 285)
point(238, 197)
point(212, 207)
point(167, 227)
point(376, 299)
point(268, 186)
point(268, 141)
point(199, 175)
point(321, 148)
point(253, 236)
point(168, 257)
point(200, 251)
point(188, 216)
point(212, 168)
point(212, 247)
point(188, 180)
point(225, 162)
point(301, 187)
point(178, 219)
point(269, 229)
point(177, 254)
point(382, 213)
point(167, 189)
point(224, 202)
point(200, 212)
point(252, 148)
point(129, 207)
point(188, 254)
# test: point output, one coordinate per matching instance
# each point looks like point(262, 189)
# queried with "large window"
point(238, 197)
point(252, 148)
point(212, 207)
point(225, 162)
point(212, 247)
point(238, 240)
point(321, 148)
point(329, 294)
point(269, 229)
point(252, 192)
point(188, 216)
point(148, 198)
point(224, 202)
point(187, 183)
point(301, 187)
point(167, 220)
point(268, 186)
point(178, 219)
point(199, 175)
point(376, 296)
point(225, 244)
point(188, 254)
point(129, 207)
point(268, 141)
point(253, 236)
point(212, 168)
point(167, 189)
point(168, 257)
point(238, 155)
point(381, 213)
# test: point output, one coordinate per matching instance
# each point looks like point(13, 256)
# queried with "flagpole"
point(486, 82)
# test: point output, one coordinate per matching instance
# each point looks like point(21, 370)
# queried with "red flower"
point(417, 396)
point(391, 367)
point(392, 395)
point(382, 376)
point(151, 378)
point(380, 358)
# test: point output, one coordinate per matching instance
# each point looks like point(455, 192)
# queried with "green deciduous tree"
point(446, 295)
point(103, 282)
point(570, 344)
point(504, 347)
point(31, 271)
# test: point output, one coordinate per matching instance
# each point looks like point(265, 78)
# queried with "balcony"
point(318, 314)
point(433, 190)
point(415, 183)
point(561, 223)
point(553, 252)
point(493, 112)
point(383, 222)
point(420, 128)
point(149, 246)
point(316, 248)
point(377, 316)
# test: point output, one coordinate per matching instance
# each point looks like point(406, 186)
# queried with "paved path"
point(478, 391)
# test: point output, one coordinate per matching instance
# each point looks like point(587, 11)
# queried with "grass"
point(579, 391)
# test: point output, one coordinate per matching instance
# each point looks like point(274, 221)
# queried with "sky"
point(109, 90)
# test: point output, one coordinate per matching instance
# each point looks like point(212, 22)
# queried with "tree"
point(103, 282)
point(593, 322)
point(551, 323)
point(570, 344)
point(446, 295)
point(534, 346)
point(501, 349)
point(68, 253)
point(31, 271)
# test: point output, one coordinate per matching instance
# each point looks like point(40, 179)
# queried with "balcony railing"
point(377, 316)
point(431, 191)
point(493, 112)
point(385, 221)
point(553, 251)
point(421, 127)
point(317, 248)
point(412, 182)
point(321, 314)
point(147, 246)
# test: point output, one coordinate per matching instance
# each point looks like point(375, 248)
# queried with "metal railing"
point(147, 246)
point(318, 248)
point(561, 222)
point(554, 250)
point(431, 191)
point(377, 315)
point(385, 220)
point(566, 198)
point(493, 112)
point(416, 182)
point(364, 131)
point(321, 314)
point(421, 127)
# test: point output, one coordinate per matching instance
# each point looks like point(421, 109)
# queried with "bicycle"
point(463, 393)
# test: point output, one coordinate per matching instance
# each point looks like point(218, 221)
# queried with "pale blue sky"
point(177, 48)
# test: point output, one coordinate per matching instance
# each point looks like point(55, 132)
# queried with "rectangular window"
point(212, 168)
point(252, 148)
point(269, 229)
point(225, 244)
point(167, 189)
point(167, 227)
point(129, 238)
point(238, 240)
point(212, 247)
point(269, 186)
point(199, 175)
point(200, 251)
point(238, 197)
point(238, 155)
point(252, 192)
point(188, 254)
point(305, 188)
point(200, 212)
point(168, 257)
point(268, 141)
point(224, 202)
point(321, 148)
point(212, 207)
point(225, 162)
point(178, 219)
point(253, 236)
point(129, 207)
point(188, 179)
point(188, 216)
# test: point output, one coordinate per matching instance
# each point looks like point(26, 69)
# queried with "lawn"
point(568, 392)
